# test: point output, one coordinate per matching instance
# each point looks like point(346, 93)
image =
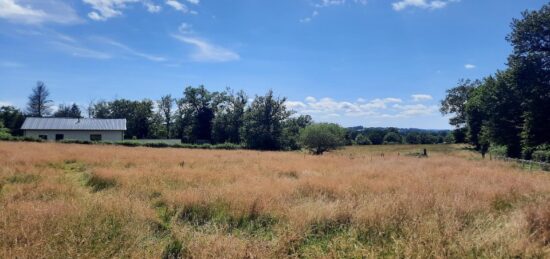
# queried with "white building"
point(75, 129)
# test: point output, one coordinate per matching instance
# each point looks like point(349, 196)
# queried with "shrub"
point(362, 140)
point(499, 151)
point(542, 153)
point(318, 138)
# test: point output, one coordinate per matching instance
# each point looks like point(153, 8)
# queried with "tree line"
point(508, 111)
point(391, 135)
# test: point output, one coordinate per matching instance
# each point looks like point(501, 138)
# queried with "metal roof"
point(73, 124)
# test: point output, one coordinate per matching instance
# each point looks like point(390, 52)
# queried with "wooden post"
point(425, 152)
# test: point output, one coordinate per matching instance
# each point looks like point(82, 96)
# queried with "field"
point(68, 200)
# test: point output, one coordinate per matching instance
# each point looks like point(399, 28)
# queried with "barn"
point(74, 129)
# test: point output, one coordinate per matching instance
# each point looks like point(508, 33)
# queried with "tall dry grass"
point(59, 200)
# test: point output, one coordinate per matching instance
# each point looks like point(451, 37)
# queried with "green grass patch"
point(174, 249)
point(251, 223)
point(98, 183)
point(22, 178)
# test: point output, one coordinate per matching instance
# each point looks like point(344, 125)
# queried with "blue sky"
point(354, 62)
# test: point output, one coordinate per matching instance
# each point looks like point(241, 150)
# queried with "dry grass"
point(61, 201)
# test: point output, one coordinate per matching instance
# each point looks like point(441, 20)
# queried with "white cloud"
point(415, 109)
point(185, 28)
point(193, 1)
point(37, 12)
point(391, 107)
point(206, 51)
point(469, 66)
point(328, 3)
point(152, 8)
point(129, 50)
point(310, 99)
point(421, 97)
point(106, 9)
point(177, 6)
point(424, 4)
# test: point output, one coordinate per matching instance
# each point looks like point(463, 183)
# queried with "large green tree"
point(263, 122)
point(322, 137)
point(530, 68)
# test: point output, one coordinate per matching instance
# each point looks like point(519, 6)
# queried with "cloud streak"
point(422, 4)
point(38, 12)
point(206, 51)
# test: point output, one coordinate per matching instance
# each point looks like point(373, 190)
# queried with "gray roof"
point(73, 124)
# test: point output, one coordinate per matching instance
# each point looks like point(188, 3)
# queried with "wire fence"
point(528, 164)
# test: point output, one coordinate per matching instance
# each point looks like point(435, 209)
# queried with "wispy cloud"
point(10, 64)
point(80, 51)
point(423, 4)
point(328, 3)
point(421, 97)
point(38, 12)
point(129, 50)
point(206, 51)
point(106, 9)
point(469, 66)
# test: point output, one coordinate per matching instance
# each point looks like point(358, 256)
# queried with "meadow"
point(70, 200)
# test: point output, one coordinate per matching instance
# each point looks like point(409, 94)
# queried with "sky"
point(375, 63)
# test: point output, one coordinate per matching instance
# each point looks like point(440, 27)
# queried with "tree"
point(412, 138)
point(529, 65)
point(392, 138)
point(197, 109)
point(229, 116)
point(66, 111)
point(456, 99)
point(362, 140)
point(263, 122)
point(138, 114)
point(39, 105)
point(291, 131)
point(165, 105)
point(322, 137)
point(13, 119)
point(4, 132)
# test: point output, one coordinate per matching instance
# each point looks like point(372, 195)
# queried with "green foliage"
point(65, 111)
point(263, 122)
point(542, 153)
point(13, 119)
point(98, 183)
point(291, 131)
point(498, 150)
point(138, 115)
point(362, 140)
point(229, 117)
point(456, 99)
point(321, 137)
point(510, 108)
point(392, 138)
point(196, 110)
point(4, 132)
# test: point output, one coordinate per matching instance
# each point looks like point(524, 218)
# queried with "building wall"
point(106, 135)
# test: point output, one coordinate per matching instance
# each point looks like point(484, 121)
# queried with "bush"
point(362, 140)
point(318, 138)
point(542, 153)
point(499, 151)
